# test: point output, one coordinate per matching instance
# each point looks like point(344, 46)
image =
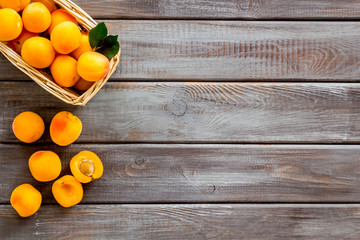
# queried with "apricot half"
point(86, 166)
point(28, 127)
point(67, 191)
point(26, 200)
point(45, 166)
point(65, 128)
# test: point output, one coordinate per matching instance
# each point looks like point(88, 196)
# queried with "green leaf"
point(97, 34)
point(109, 51)
point(109, 41)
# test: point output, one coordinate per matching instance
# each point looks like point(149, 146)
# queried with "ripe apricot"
point(26, 200)
point(17, 5)
point(86, 166)
point(65, 128)
point(84, 46)
point(49, 4)
point(38, 52)
point(17, 43)
point(36, 17)
point(10, 24)
point(83, 85)
point(65, 37)
point(67, 191)
point(93, 66)
point(59, 16)
point(64, 71)
point(45, 166)
point(28, 127)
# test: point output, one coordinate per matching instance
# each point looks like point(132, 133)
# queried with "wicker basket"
point(45, 80)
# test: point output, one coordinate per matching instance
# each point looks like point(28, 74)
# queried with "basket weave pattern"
point(45, 80)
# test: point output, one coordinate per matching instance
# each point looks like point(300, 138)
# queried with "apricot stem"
point(87, 167)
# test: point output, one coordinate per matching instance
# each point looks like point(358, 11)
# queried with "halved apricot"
point(86, 166)
point(26, 200)
point(67, 191)
point(65, 128)
point(45, 166)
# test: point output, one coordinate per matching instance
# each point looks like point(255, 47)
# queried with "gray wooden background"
point(226, 119)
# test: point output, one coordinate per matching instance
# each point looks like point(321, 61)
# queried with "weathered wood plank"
point(237, 51)
point(225, 221)
point(222, 9)
point(201, 173)
point(199, 112)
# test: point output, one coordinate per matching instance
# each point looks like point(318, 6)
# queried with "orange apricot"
point(11, 24)
point(83, 85)
point(84, 46)
point(36, 17)
point(93, 66)
point(65, 128)
point(86, 166)
point(38, 52)
point(64, 71)
point(17, 43)
point(49, 4)
point(26, 200)
point(59, 16)
point(17, 5)
point(28, 127)
point(65, 37)
point(45, 166)
point(67, 191)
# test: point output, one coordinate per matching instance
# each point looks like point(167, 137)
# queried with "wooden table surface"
point(226, 119)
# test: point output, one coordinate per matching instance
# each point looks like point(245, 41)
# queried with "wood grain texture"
point(222, 9)
point(199, 112)
point(235, 50)
point(201, 173)
point(322, 222)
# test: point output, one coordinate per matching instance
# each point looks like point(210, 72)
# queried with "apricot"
point(38, 52)
point(65, 128)
point(26, 200)
point(17, 5)
point(60, 16)
point(49, 4)
point(67, 191)
point(93, 66)
point(45, 166)
point(18, 42)
point(36, 17)
point(86, 166)
point(84, 46)
point(28, 127)
point(65, 37)
point(64, 71)
point(10, 24)
point(83, 85)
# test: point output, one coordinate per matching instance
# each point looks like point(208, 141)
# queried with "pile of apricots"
point(45, 166)
point(50, 38)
